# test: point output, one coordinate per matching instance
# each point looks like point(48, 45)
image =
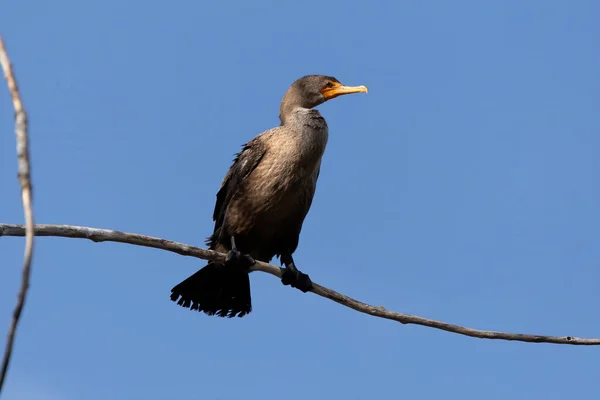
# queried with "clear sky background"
point(464, 187)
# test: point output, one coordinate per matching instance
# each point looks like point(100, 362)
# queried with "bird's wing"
point(244, 163)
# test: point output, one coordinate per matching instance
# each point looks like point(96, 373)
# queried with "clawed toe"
point(238, 260)
point(296, 279)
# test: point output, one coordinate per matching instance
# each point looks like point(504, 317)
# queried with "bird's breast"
point(286, 176)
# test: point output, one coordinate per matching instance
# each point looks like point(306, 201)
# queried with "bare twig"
point(25, 181)
point(105, 235)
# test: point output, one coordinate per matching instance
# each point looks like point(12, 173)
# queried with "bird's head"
point(312, 90)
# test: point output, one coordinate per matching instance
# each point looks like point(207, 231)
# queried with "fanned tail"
point(215, 290)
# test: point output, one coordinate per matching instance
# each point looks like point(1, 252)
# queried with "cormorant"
point(263, 200)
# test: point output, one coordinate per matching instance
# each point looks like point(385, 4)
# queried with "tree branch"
point(105, 235)
point(25, 181)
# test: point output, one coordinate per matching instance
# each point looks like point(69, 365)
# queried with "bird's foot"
point(296, 279)
point(236, 259)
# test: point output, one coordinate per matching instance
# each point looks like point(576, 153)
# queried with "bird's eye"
point(329, 84)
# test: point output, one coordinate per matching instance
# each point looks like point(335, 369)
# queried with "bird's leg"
point(236, 259)
point(292, 276)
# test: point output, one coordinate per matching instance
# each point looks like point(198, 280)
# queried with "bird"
point(263, 200)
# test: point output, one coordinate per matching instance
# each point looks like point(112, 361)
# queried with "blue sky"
point(463, 187)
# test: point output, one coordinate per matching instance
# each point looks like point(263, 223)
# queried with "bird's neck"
point(300, 117)
point(307, 130)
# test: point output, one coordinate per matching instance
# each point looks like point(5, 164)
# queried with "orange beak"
point(338, 90)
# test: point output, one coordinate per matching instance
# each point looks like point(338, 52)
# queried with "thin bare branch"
point(26, 197)
point(105, 235)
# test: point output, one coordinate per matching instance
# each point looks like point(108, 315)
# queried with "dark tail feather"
point(215, 290)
